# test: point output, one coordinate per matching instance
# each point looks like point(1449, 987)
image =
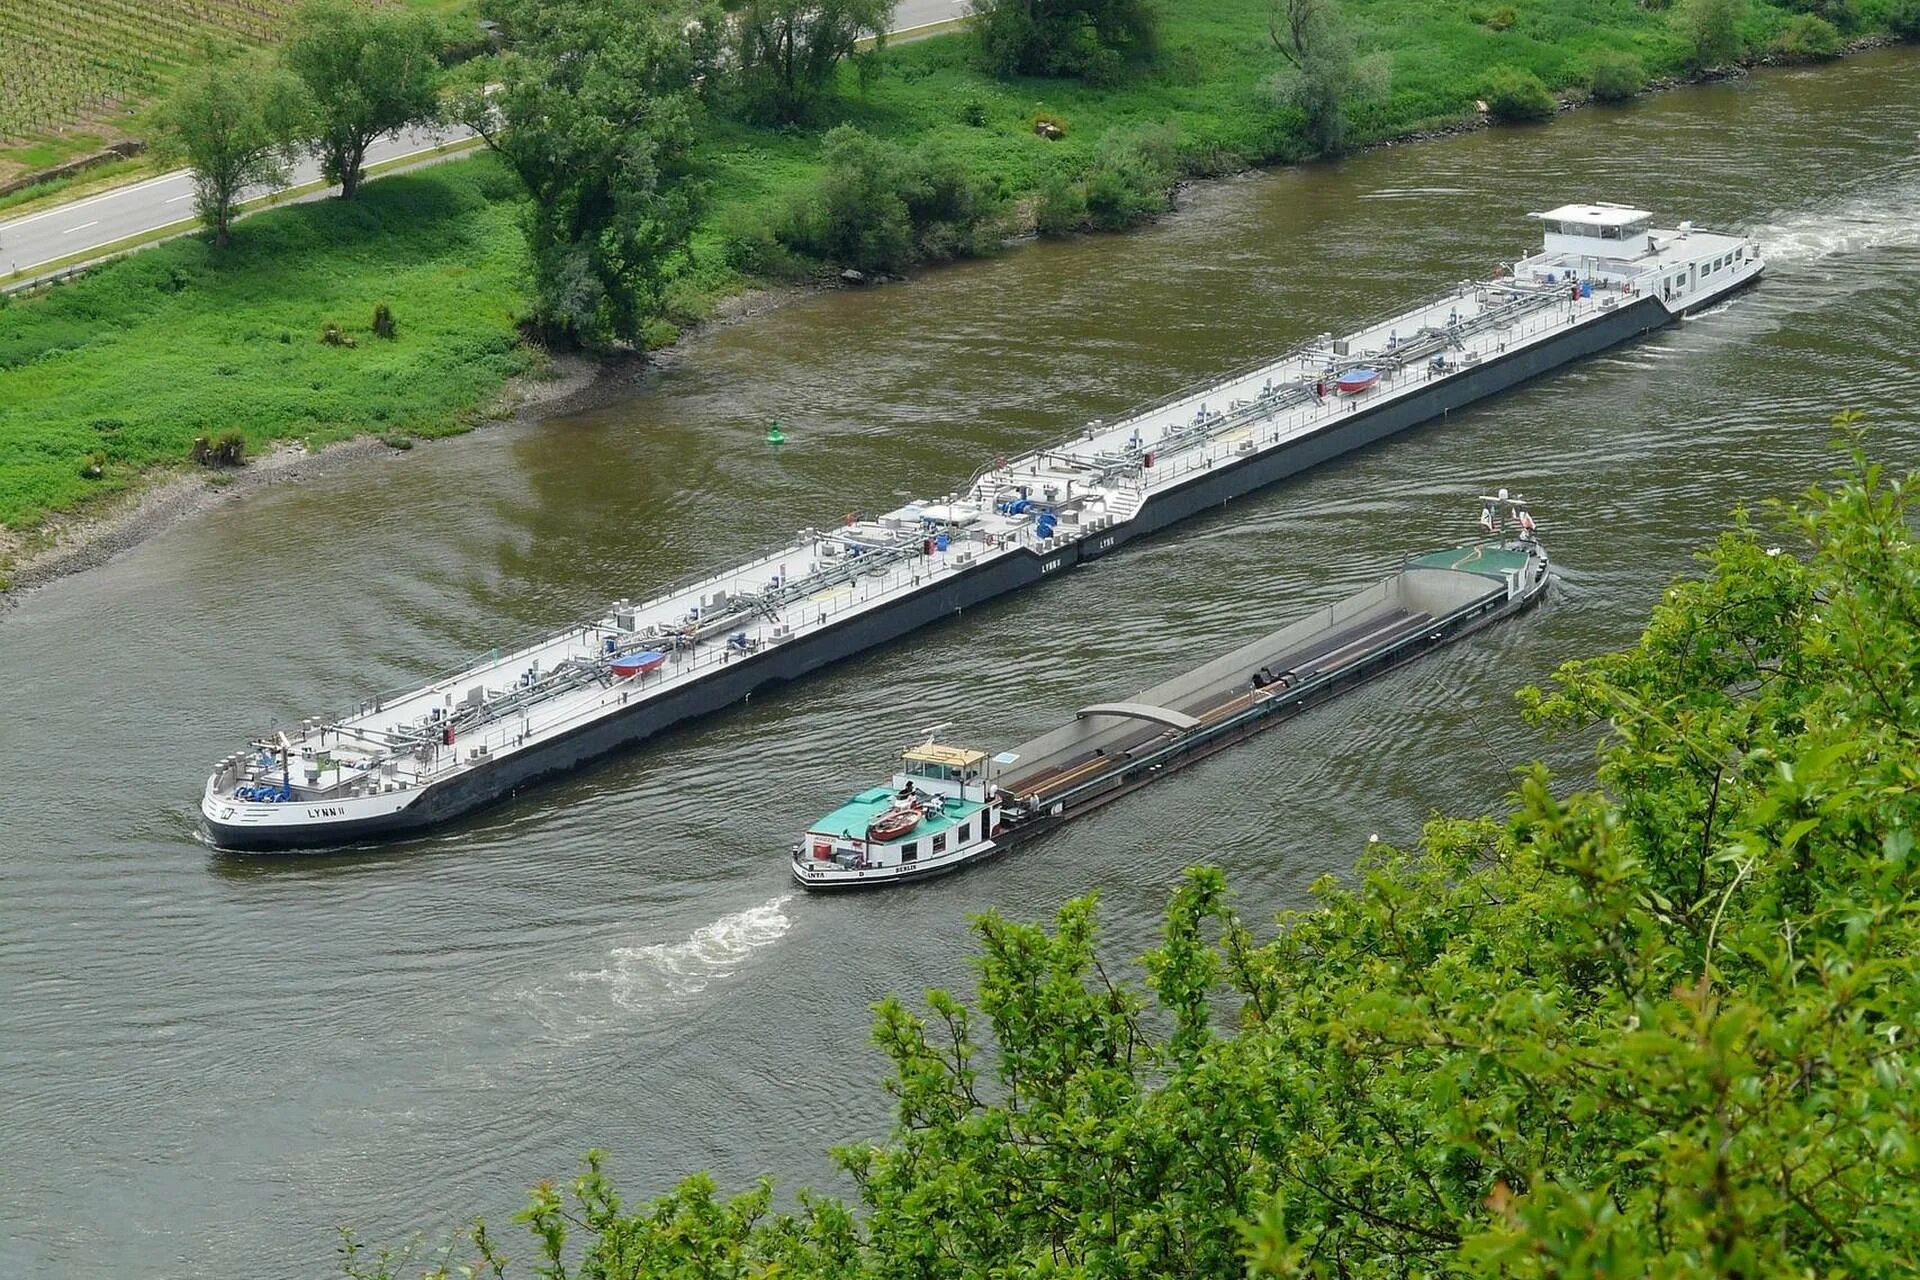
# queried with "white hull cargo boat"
point(961, 806)
point(402, 762)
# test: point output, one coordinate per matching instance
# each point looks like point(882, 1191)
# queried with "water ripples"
point(400, 1036)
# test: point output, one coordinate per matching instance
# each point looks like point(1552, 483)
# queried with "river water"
point(206, 1063)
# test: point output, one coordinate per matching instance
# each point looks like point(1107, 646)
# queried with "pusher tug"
point(950, 806)
point(404, 761)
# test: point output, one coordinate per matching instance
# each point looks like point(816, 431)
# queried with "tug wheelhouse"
point(940, 811)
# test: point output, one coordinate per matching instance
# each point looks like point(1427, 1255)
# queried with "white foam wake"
point(1864, 223)
point(664, 972)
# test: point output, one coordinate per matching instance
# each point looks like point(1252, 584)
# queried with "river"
point(206, 1063)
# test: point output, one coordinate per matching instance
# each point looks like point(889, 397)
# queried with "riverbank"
point(76, 542)
point(120, 371)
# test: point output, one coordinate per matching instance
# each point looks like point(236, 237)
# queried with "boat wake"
point(1412, 193)
point(667, 972)
point(1864, 223)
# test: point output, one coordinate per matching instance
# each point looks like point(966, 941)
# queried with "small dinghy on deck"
point(637, 664)
point(893, 824)
point(1354, 381)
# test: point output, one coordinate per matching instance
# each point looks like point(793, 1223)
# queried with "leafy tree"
point(1659, 1026)
point(369, 72)
point(1324, 72)
point(235, 124)
point(593, 110)
point(785, 52)
point(1093, 39)
point(1711, 29)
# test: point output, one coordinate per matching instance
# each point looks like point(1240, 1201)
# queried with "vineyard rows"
point(64, 60)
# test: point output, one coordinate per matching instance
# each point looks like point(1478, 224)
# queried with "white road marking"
point(178, 176)
point(178, 199)
point(67, 231)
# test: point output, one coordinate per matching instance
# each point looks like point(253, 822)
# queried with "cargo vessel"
point(404, 761)
point(948, 807)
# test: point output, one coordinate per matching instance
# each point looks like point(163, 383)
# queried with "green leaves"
point(236, 125)
point(593, 110)
point(367, 72)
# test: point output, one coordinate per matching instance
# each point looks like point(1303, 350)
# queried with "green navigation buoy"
point(775, 435)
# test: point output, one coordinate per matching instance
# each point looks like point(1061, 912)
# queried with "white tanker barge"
point(405, 761)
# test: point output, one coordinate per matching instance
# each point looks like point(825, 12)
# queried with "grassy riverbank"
point(136, 360)
point(130, 364)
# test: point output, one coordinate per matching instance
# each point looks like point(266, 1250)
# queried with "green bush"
point(1844, 14)
point(751, 247)
point(1515, 95)
point(1130, 182)
point(1711, 29)
point(1061, 205)
point(881, 208)
point(1615, 76)
point(1807, 37)
point(973, 113)
point(1496, 19)
point(1903, 19)
point(228, 450)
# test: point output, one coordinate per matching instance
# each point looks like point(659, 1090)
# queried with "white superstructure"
point(1055, 505)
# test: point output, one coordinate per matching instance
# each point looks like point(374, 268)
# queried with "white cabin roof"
point(1599, 214)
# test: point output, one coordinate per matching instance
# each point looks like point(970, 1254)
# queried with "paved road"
point(95, 221)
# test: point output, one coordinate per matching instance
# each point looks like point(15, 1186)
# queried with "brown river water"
point(205, 1063)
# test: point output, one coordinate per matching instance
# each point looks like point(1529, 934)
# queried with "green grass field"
point(138, 358)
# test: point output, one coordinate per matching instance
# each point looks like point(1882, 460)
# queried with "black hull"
point(502, 777)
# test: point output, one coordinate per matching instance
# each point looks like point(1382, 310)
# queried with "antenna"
point(1504, 508)
point(933, 729)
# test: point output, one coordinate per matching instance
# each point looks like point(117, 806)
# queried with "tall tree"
point(593, 110)
point(370, 72)
point(786, 51)
point(236, 124)
point(1093, 39)
point(1324, 71)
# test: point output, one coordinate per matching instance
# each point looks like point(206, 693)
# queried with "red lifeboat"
point(893, 824)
